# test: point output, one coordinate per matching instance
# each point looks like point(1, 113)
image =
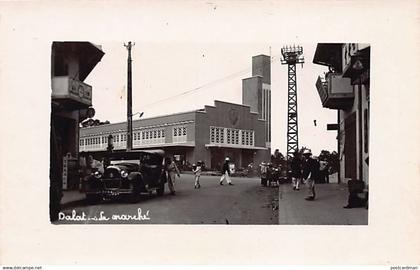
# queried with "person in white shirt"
point(197, 173)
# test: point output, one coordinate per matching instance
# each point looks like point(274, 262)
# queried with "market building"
point(239, 131)
point(208, 134)
point(345, 88)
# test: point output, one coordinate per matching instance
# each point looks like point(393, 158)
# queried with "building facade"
point(209, 135)
point(346, 88)
point(71, 100)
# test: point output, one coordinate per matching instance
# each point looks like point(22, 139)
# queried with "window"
point(251, 138)
point(212, 134)
point(236, 136)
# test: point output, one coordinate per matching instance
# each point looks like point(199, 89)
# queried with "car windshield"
point(115, 162)
point(150, 159)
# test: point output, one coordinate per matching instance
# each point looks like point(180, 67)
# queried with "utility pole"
point(129, 141)
point(292, 55)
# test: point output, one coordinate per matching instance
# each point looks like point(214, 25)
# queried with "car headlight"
point(97, 174)
point(124, 174)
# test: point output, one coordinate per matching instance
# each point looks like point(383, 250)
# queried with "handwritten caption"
point(74, 216)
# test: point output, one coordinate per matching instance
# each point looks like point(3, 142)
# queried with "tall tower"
point(256, 92)
point(291, 57)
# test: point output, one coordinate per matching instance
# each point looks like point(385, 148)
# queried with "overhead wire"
point(208, 84)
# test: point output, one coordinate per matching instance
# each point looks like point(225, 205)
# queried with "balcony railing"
point(335, 91)
point(69, 90)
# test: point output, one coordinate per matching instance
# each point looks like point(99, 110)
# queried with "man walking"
point(197, 173)
point(310, 173)
point(324, 170)
point(296, 170)
point(172, 169)
point(226, 173)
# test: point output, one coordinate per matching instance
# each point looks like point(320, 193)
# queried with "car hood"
point(128, 167)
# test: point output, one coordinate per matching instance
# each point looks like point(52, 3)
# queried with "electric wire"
point(209, 84)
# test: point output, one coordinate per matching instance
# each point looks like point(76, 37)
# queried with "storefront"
point(345, 88)
point(71, 101)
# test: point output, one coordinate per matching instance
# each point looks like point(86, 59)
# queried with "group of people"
point(172, 170)
point(88, 165)
point(197, 169)
point(308, 170)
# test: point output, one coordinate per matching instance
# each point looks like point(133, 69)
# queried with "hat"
point(307, 152)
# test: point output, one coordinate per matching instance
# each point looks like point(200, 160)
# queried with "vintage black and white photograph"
point(201, 133)
point(209, 133)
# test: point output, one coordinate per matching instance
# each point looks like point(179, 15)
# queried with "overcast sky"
point(162, 72)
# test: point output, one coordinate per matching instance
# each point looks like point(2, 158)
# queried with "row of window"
point(149, 134)
point(231, 136)
point(145, 135)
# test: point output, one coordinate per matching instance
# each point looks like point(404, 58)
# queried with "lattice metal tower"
point(292, 55)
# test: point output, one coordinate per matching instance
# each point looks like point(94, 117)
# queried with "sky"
point(171, 77)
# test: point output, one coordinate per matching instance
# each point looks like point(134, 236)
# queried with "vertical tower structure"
point(256, 92)
point(292, 55)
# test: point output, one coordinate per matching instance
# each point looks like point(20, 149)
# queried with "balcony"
point(75, 94)
point(335, 91)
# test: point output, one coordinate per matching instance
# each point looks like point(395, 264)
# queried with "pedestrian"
point(171, 170)
point(296, 170)
point(94, 165)
point(263, 174)
point(310, 168)
point(197, 173)
point(324, 170)
point(226, 173)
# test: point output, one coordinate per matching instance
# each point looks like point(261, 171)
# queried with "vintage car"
point(271, 173)
point(129, 174)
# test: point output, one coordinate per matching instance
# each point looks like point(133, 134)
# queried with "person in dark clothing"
point(296, 170)
point(324, 171)
point(310, 173)
point(356, 189)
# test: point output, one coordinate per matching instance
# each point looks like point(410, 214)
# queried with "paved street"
point(327, 209)
point(244, 203)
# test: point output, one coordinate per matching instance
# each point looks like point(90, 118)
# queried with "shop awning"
point(329, 54)
point(89, 55)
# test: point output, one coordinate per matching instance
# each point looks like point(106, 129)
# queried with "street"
point(247, 202)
